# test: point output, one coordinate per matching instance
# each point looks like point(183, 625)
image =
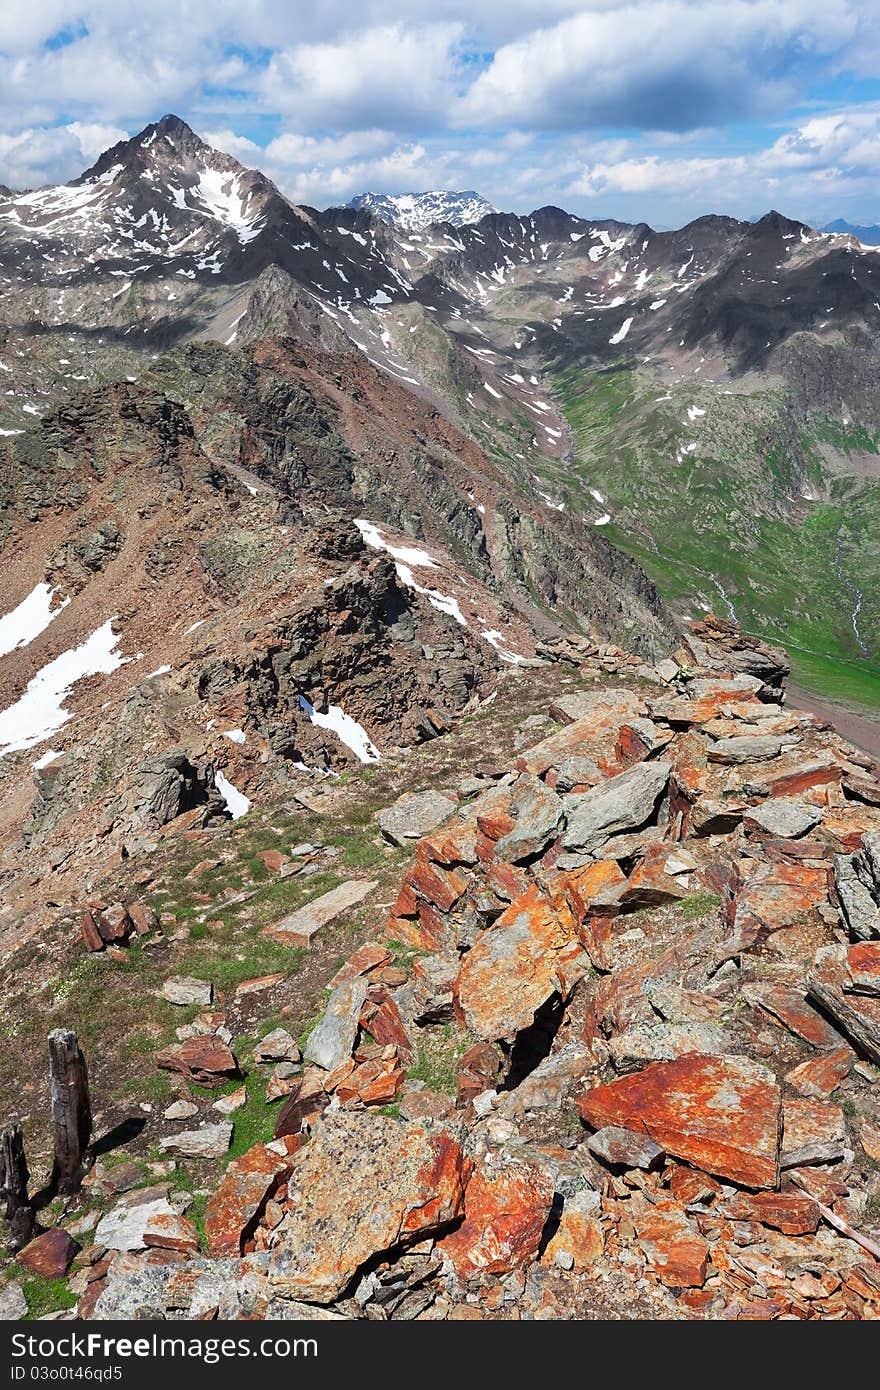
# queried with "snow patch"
point(237, 804)
point(33, 615)
point(348, 730)
point(40, 712)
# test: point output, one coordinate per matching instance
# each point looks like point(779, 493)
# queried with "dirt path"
point(859, 727)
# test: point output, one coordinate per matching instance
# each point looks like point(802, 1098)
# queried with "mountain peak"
point(413, 211)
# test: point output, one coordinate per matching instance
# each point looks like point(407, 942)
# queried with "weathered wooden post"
point(70, 1109)
point(14, 1178)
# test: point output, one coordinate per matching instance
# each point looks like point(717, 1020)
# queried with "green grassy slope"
point(713, 508)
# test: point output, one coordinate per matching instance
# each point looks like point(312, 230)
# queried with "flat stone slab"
point(722, 1114)
point(299, 928)
point(124, 1226)
point(331, 1042)
point(783, 817)
point(414, 815)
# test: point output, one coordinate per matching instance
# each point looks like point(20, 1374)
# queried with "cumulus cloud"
point(33, 157)
point(661, 64)
point(613, 106)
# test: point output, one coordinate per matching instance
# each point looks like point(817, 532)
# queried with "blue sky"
point(654, 110)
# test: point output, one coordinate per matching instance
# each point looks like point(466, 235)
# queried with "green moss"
point(46, 1295)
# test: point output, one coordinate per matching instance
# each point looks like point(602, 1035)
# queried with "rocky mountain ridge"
point(416, 211)
point(642, 959)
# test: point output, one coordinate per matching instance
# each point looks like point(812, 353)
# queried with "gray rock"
point(568, 709)
point(299, 928)
point(749, 748)
point(277, 1046)
point(857, 877)
point(13, 1304)
point(783, 817)
point(331, 1042)
point(538, 813)
point(166, 786)
point(181, 989)
point(855, 1015)
point(417, 814)
point(737, 687)
point(624, 802)
point(210, 1141)
point(135, 1290)
point(180, 1110)
point(625, 1148)
point(122, 1228)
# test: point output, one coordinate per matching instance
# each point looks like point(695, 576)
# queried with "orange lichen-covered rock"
point(722, 1114)
point(677, 1252)
point(507, 1205)
point(233, 1209)
point(514, 966)
point(365, 1183)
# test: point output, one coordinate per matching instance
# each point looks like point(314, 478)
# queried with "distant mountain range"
point(414, 211)
point(869, 236)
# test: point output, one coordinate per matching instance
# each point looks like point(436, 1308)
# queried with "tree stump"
point(14, 1178)
point(70, 1109)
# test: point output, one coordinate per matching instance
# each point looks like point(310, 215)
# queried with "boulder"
point(537, 813)
point(245, 1187)
point(507, 1204)
point(748, 748)
point(277, 1046)
point(722, 1114)
point(529, 954)
point(13, 1304)
point(124, 1226)
point(856, 1015)
point(171, 1232)
point(677, 1252)
point(366, 1183)
point(624, 802)
point(414, 815)
point(50, 1254)
point(625, 1148)
point(181, 989)
point(782, 817)
point(204, 1059)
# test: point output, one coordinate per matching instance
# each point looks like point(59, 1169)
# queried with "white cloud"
point(33, 157)
point(391, 75)
point(661, 64)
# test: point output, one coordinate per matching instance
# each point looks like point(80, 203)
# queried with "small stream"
point(858, 598)
point(723, 593)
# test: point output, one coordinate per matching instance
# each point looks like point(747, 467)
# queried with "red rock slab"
point(821, 1075)
point(205, 1060)
point(49, 1255)
point(114, 923)
point(794, 776)
point(143, 918)
point(167, 1231)
point(478, 1071)
point(723, 1114)
point(850, 825)
point(258, 983)
point(386, 1026)
point(863, 964)
point(514, 966)
point(678, 1254)
point(793, 1213)
point(506, 1208)
point(364, 1184)
point(442, 888)
point(93, 939)
point(649, 885)
point(273, 860)
point(779, 895)
point(791, 1008)
point(366, 959)
point(233, 1210)
point(690, 1185)
point(579, 1235)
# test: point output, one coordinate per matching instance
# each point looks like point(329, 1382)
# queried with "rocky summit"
point(430, 894)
